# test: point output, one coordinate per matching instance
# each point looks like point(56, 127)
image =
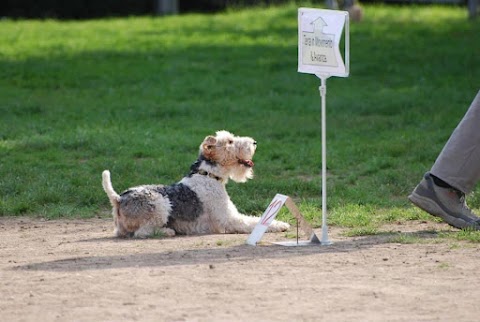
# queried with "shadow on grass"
point(210, 256)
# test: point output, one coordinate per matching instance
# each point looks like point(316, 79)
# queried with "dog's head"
point(233, 153)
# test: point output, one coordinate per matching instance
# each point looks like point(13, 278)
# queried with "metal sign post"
point(323, 96)
point(319, 35)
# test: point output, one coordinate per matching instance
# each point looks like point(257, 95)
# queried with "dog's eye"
point(230, 141)
point(255, 143)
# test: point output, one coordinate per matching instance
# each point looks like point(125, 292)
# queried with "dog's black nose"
point(255, 143)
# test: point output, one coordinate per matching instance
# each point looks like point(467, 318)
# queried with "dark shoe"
point(446, 203)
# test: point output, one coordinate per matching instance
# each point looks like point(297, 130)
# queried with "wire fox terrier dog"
point(199, 203)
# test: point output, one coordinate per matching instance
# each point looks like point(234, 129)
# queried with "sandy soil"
point(76, 271)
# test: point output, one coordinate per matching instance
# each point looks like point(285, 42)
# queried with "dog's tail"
point(107, 186)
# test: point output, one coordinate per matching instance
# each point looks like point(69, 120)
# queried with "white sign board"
point(266, 219)
point(319, 35)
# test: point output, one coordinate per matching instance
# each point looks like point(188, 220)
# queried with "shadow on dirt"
point(218, 255)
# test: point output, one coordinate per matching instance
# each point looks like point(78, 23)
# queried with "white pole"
point(323, 94)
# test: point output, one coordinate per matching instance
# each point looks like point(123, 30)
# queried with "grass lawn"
point(137, 96)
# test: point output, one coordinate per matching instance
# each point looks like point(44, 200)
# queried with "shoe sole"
point(434, 209)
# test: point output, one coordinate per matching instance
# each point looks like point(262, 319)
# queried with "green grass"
point(137, 95)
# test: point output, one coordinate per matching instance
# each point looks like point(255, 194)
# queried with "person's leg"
point(455, 173)
point(459, 162)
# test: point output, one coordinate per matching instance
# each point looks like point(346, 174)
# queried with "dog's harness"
point(208, 174)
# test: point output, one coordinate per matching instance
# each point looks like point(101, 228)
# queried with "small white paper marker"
point(266, 219)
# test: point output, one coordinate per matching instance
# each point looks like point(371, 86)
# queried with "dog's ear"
point(208, 147)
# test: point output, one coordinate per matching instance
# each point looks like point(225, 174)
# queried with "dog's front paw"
point(277, 226)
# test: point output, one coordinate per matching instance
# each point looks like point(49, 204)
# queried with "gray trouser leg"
point(459, 162)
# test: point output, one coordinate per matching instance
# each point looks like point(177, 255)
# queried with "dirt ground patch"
point(74, 270)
